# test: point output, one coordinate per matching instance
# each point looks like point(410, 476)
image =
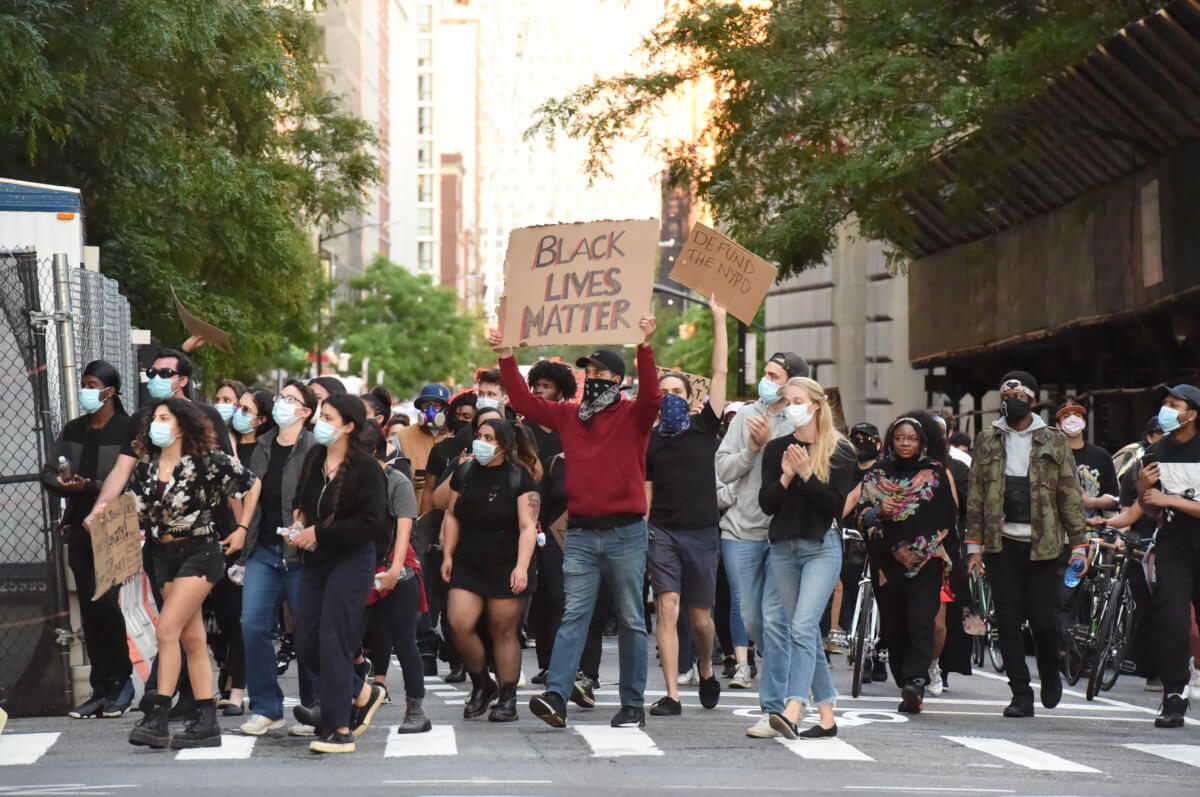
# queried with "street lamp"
point(332, 274)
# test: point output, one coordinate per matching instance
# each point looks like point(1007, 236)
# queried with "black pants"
point(390, 625)
point(721, 609)
point(329, 627)
point(183, 685)
point(908, 608)
point(225, 602)
point(102, 621)
point(1176, 589)
point(1023, 589)
point(546, 609)
point(437, 593)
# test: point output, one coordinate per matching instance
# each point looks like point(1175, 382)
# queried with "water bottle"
point(541, 538)
point(237, 574)
point(1074, 572)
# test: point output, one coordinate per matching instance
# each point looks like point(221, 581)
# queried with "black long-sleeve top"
point(806, 509)
point(349, 510)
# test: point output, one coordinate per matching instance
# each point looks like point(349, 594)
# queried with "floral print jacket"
point(197, 486)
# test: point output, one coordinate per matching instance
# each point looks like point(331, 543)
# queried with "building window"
point(425, 256)
point(424, 221)
point(424, 52)
point(425, 88)
point(424, 121)
point(424, 18)
point(425, 154)
point(425, 188)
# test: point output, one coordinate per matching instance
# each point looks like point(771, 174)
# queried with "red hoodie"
point(606, 477)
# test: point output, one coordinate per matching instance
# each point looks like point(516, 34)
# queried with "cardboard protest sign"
point(213, 335)
point(584, 283)
point(716, 267)
point(700, 385)
point(116, 546)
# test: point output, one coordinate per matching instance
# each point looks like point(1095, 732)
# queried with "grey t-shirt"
point(402, 501)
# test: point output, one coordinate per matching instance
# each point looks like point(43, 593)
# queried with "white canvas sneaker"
point(257, 725)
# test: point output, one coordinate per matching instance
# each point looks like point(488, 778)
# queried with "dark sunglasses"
point(165, 373)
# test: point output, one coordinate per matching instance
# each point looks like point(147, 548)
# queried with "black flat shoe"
point(817, 732)
point(784, 726)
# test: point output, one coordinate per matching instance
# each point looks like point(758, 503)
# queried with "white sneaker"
point(1194, 682)
point(521, 680)
point(689, 678)
point(935, 680)
point(302, 730)
point(741, 677)
point(257, 725)
point(762, 729)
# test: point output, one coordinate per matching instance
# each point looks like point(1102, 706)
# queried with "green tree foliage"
point(204, 147)
point(414, 331)
point(693, 353)
point(826, 110)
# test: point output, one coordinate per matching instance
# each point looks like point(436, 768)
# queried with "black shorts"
point(685, 562)
point(487, 580)
point(201, 556)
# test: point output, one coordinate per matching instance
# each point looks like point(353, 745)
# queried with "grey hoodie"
point(740, 469)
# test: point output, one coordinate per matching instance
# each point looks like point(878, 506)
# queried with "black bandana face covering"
point(598, 395)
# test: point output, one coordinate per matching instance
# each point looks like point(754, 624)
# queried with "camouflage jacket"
point(1056, 510)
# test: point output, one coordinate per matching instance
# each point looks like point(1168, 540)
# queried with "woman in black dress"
point(488, 537)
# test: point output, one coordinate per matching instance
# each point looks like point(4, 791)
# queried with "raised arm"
point(649, 397)
point(720, 360)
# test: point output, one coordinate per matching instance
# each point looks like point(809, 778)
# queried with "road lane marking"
point(1099, 699)
point(17, 749)
point(1028, 757)
point(1183, 753)
point(437, 741)
point(609, 742)
point(824, 750)
point(233, 748)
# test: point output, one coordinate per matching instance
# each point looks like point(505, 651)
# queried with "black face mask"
point(867, 450)
point(1014, 410)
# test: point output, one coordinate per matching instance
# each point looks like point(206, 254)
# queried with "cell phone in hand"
point(1149, 458)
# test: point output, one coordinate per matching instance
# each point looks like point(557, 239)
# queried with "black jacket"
point(70, 444)
point(346, 513)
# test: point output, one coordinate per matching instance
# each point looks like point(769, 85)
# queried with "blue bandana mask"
point(674, 418)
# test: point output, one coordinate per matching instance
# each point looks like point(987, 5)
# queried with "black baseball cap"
point(869, 429)
point(605, 360)
point(789, 361)
point(1188, 393)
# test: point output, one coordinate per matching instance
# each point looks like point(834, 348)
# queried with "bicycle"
point(1115, 630)
point(1080, 642)
point(988, 645)
point(864, 639)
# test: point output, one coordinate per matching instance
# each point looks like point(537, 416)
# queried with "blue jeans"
point(618, 556)
point(268, 580)
point(800, 578)
point(733, 576)
point(749, 562)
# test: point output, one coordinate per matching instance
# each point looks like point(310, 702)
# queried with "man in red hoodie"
point(604, 445)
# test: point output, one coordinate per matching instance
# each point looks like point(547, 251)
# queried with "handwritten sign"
point(584, 283)
point(700, 385)
point(716, 267)
point(214, 335)
point(116, 546)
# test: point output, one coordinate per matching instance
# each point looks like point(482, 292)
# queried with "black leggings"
point(390, 625)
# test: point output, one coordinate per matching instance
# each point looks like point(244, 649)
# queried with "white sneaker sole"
point(274, 726)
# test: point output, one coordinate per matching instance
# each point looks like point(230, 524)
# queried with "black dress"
point(489, 529)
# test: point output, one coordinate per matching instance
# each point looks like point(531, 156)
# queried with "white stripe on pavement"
point(233, 748)
point(607, 742)
point(1028, 757)
point(24, 748)
point(1183, 753)
point(438, 741)
point(824, 750)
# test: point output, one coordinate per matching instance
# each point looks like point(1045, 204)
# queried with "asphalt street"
point(959, 745)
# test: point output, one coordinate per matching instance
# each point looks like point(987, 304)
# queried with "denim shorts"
point(201, 556)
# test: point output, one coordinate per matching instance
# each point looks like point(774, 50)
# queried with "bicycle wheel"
point(1073, 656)
point(862, 641)
point(1122, 633)
point(994, 652)
point(1103, 656)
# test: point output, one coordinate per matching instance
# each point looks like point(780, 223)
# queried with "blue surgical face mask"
point(226, 412)
point(243, 422)
point(325, 433)
point(284, 414)
point(484, 451)
point(160, 387)
point(89, 399)
point(486, 403)
point(1168, 419)
point(160, 434)
point(768, 391)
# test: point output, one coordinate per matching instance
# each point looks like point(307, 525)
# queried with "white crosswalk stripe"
point(1183, 753)
point(608, 742)
point(440, 740)
point(17, 749)
point(1028, 757)
point(233, 748)
point(824, 750)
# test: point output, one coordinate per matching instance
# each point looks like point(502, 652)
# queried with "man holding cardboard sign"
point(578, 283)
point(714, 266)
point(604, 439)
